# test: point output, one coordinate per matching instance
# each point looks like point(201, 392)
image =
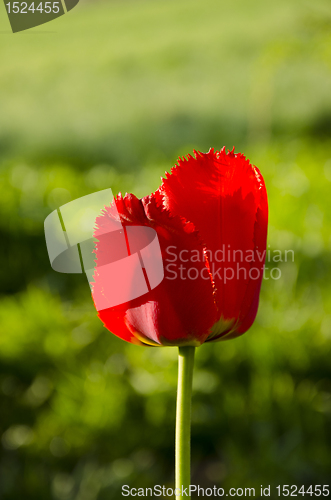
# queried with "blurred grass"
point(109, 96)
point(125, 82)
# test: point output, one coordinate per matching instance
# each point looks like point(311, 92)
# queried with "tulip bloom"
point(210, 215)
point(187, 263)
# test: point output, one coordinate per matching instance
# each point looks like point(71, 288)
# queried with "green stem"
point(183, 418)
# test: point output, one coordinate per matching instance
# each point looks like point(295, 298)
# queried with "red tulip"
point(210, 215)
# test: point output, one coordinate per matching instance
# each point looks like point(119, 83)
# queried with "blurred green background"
point(109, 96)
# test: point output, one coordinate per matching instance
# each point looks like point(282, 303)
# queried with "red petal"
point(251, 300)
point(177, 311)
point(221, 194)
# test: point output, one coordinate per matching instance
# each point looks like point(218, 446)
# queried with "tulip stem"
point(183, 419)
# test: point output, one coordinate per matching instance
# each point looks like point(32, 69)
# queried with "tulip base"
point(183, 419)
